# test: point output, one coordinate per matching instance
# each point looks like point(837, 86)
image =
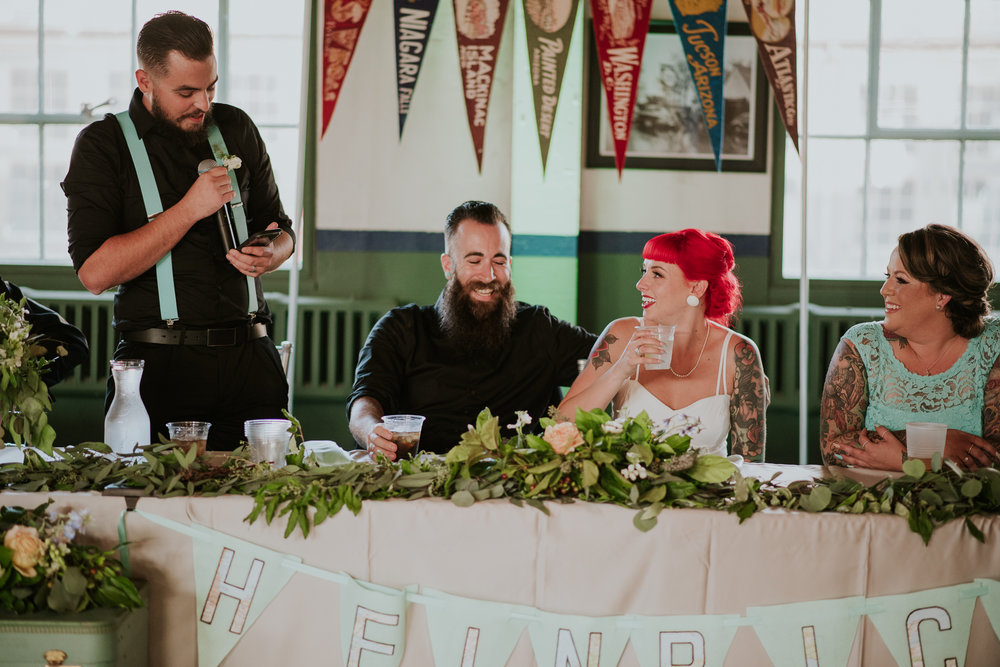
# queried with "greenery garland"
point(630, 462)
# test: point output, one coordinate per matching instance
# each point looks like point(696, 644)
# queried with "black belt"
point(209, 337)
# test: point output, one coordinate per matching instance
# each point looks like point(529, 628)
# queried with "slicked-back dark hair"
point(480, 211)
point(172, 31)
point(951, 263)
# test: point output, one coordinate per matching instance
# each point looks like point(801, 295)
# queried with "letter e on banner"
point(361, 643)
point(694, 642)
point(221, 587)
point(913, 621)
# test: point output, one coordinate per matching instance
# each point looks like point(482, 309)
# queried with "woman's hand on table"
point(880, 450)
point(969, 451)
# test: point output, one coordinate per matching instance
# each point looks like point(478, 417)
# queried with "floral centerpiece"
point(24, 397)
point(41, 567)
point(629, 460)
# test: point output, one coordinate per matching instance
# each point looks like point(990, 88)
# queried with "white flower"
point(523, 419)
point(232, 162)
point(614, 427)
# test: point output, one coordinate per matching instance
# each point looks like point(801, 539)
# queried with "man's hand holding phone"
point(254, 256)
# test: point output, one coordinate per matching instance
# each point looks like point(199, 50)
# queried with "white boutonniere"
point(232, 162)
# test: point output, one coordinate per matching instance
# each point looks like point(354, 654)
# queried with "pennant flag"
point(478, 27)
point(810, 634)
point(673, 641)
point(926, 628)
point(234, 581)
point(620, 28)
point(468, 632)
point(342, 23)
point(701, 26)
point(773, 25)
point(991, 602)
point(577, 641)
point(372, 623)
point(549, 30)
point(414, 19)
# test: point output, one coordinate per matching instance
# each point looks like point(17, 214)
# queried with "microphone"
point(223, 216)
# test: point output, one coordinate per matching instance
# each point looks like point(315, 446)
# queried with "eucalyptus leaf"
point(915, 468)
point(463, 499)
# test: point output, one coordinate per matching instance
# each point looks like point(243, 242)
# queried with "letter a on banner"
point(549, 30)
point(773, 25)
point(701, 27)
point(620, 29)
point(414, 19)
point(342, 23)
point(478, 26)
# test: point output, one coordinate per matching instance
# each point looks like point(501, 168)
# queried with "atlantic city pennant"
point(773, 25)
point(342, 23)
point(478, 27)
point(549, 31)
point(701, 27)
point(620, 28)
point(414, 19)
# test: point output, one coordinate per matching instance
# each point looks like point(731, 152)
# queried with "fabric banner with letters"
point(926, 628)
point(773, 25)
point(683, 640)
point(414, 19)
point(808, 633)
point(701, 27)
point(342, 23)
point(467, 632)
point(372, 623)
point(620, 34)
point(549, 31)
point(574, 641)
point(479, 26)
point(234, 582)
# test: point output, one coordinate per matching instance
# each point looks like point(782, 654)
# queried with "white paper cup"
point(924, 439)
point(665, 334)
point(405, 433)
point(268, 440)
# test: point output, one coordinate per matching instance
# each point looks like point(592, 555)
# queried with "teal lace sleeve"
point(897, 396)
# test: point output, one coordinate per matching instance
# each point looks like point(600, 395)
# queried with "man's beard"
point(475, 326)
point(172, 129)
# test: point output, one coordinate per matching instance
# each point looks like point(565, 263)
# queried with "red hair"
point(702, 255)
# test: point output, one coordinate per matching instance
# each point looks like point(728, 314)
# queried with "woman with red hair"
point(715, 374)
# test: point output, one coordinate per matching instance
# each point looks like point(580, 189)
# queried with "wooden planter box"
point(94, 638)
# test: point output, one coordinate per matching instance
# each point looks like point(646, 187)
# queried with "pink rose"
point(28, 549)
point(564, 437)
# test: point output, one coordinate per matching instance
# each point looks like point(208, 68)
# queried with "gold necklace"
point(708, 332)
point(927, 371)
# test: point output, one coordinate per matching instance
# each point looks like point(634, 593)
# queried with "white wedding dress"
point(713, 411)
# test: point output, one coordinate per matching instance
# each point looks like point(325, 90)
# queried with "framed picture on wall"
point(668, 129)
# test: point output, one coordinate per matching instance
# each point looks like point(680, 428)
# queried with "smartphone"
point(263, 237)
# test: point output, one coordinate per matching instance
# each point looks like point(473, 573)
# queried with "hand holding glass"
point(405, 431)
point(665, 334)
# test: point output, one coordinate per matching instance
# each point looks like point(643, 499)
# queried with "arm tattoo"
point(844, 403)
point(991, 405)
point(602, 351)
point(749, 401)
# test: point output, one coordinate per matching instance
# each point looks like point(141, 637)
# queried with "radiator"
point(331, 332)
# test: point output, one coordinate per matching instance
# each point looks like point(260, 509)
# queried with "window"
point(904, 129)
point(63, 65)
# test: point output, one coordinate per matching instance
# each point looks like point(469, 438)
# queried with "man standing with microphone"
point(146, 215)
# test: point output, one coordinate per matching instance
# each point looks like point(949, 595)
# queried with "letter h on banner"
point(221, 587)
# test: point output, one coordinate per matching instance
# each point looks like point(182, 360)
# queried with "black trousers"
point(222, 385)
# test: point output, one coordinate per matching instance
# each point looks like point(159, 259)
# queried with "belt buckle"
point(220, 337)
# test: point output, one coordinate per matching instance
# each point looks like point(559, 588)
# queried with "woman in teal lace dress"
point(935, 357)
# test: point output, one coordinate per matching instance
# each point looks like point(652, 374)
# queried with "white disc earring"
point(692, 300)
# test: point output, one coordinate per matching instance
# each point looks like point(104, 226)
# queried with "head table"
point(581, 559)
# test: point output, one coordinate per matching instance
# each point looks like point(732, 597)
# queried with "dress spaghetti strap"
point(720, 381)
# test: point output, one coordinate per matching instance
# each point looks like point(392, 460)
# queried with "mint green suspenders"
point(154, 206)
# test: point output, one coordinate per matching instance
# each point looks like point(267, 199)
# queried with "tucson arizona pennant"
point(342, 23)
point(414, 19)
point(478, 27)
point(620, 32)
point(701, 26)
point(549, 30)
point(773, 24)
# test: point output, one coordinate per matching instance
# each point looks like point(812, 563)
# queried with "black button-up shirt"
point(409, 367)
point(104, 200)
